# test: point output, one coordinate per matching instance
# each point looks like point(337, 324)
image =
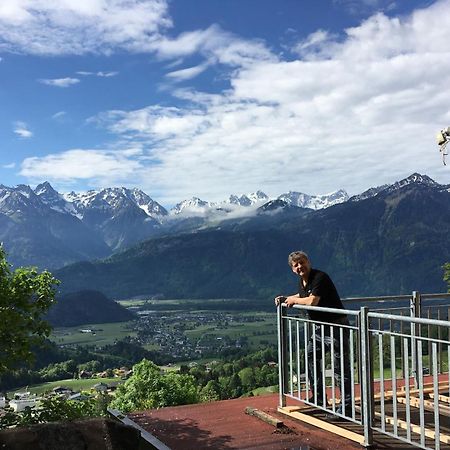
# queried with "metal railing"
point(385, 369)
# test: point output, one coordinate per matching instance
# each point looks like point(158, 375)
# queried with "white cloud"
point(9, 166)
point(21, 129)
point(99, 166)
point(215, 44)
point(60, 82)
point(355, 112)
point(77, 27)
point(188, 73)
point(98, 74)
point(107, 74)
point(59, 115)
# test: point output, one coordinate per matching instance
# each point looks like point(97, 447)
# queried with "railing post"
point(415, 331)
point(282, 366)
point(367, 401)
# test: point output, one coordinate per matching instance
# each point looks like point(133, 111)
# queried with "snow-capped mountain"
point(50, 229)
point(253, 198)
point(415, 178)
point(54, 199)
point(314, 201)
point(193, 206)
point(115, 198)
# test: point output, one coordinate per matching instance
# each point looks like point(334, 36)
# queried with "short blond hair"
point(296, 256)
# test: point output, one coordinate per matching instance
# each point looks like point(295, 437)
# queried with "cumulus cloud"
point(60, 82)
point(99, 166)
point(336, 117)
point(45, 27)
point(351, 111)
point(21, 129)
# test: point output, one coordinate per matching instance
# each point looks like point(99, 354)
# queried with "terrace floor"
point(225, 425)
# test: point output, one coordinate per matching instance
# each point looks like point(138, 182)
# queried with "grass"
point(265, 390)
point(105, 333)
point(74, 384)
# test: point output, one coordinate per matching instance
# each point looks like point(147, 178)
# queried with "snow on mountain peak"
point(314, 201)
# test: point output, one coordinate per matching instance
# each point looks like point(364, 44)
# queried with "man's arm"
point(295, 299)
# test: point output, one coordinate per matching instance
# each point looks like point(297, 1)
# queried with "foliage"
point(54, 409)
point(25, 296)
point(149, 388)
point(447, 275)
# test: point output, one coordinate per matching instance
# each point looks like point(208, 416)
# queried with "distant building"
point(18, 405)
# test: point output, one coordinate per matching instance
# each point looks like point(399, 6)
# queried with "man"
point(317, 289)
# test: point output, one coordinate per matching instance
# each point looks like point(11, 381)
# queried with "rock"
point(90, 434)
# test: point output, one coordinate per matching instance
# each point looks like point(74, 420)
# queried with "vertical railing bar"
point(408, 400)
point(315, 363)
point(341, 354)
point(324, 378)
point(436, 395)
point(401, 347)
point(448, 368)
point(439, 345)
point(381, 358)
point(297, 341)
point(281, 356)
point(394, 386)
point(414, 306)
point(429, 316)
point(366, 377)
point(291, 368)
point(333, 387)
point(352, 371)
point(421, 405)
point(306, 324)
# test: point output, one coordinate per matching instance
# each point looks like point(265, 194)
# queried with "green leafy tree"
point(447, 275)
point(53, 409)
point(210, 392)
point(149, 388)
point(25, 297)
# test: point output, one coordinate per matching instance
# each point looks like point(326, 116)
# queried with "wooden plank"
point(429, 406)
point(324, 425)
point(444, 438)
point(441, 398)
point(400, 393)
point(264, 417)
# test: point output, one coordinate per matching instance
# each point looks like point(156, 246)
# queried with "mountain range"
point(48, 229)
point(389, 240)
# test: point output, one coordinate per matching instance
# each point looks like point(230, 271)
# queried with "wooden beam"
point(444, 438)
point(441, 398)
point(324, 425)
point(264, 417)
point(429, 406)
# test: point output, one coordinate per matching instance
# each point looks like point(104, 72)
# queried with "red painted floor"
point(224, 425)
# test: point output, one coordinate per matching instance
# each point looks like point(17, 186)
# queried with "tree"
point(447, 275)
point(25, 297)
point(149, 388)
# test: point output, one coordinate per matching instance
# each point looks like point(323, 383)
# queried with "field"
point(74, 384)
point(102, 334)
point(256, 334)
point(187, 329)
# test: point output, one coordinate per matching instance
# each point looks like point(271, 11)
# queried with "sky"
point(208, 98)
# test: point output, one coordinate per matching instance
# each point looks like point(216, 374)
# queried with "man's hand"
point(280, 299)
point(291, 301)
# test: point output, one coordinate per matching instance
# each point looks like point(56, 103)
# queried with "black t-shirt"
point(321, 285)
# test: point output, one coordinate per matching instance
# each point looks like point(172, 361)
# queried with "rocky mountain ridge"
point(46, 228)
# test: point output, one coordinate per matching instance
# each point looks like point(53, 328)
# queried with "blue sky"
point(209, 98)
